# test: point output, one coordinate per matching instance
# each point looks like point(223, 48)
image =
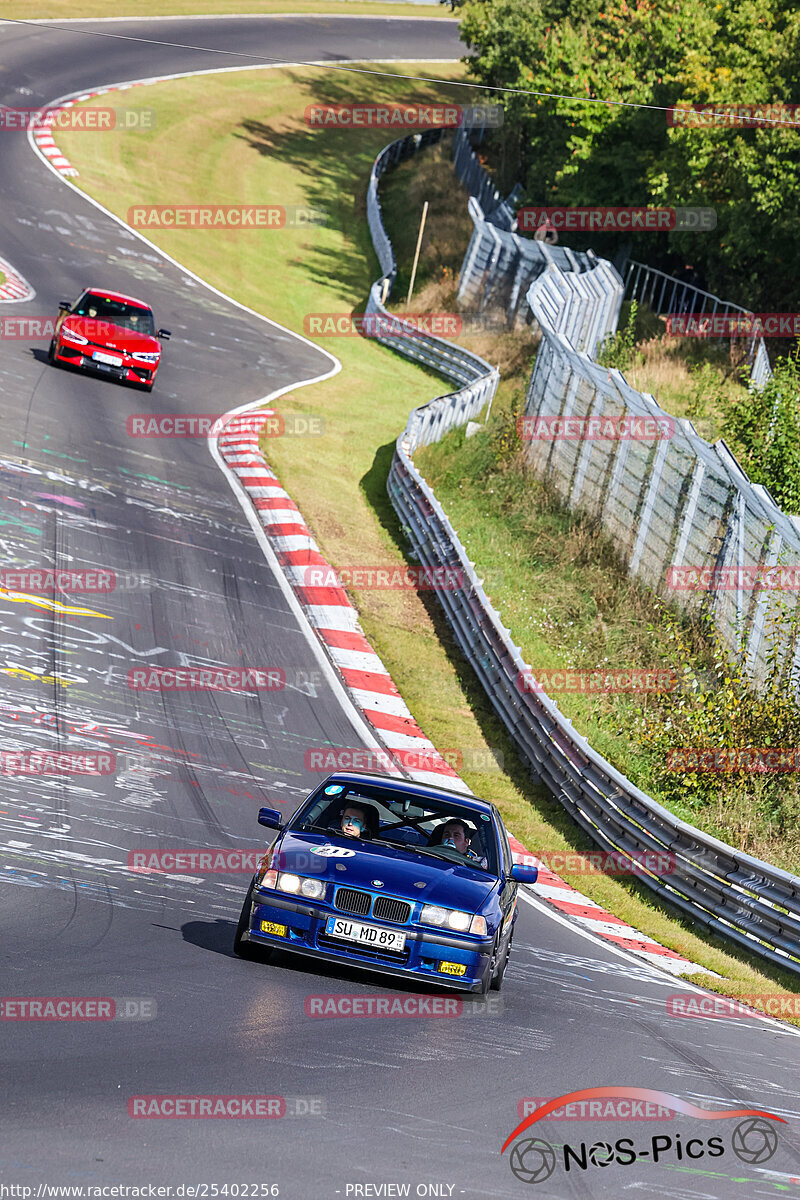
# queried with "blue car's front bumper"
point(424, 951)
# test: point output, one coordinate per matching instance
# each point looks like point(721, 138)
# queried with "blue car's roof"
point(408, 787)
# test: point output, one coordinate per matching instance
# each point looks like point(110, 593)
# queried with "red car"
point(111, 334)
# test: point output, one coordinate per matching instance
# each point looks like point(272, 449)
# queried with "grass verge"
point(73, 10)
point(241, 138)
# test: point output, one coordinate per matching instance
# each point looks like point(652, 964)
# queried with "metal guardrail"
point(665, 294)
point(584, 308)
point(733, 894)
point(501, 212)
point(478, 379)
point(500, 265)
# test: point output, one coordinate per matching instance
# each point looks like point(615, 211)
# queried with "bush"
point(619, 348)
point(719, 707)
point(764, 431)
point(506, 440)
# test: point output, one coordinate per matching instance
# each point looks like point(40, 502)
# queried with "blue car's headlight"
point(296, 885)
point(452, 918)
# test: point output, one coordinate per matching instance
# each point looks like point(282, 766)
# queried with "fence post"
point(759, 618)
point(584, 458)
point(649, 505)
point(687, 520)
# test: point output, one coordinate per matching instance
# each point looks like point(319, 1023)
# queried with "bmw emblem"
point(377, 883)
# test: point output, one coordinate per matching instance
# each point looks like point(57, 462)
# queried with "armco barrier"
point(477, 378)
point(679, 501)
point(733, 894)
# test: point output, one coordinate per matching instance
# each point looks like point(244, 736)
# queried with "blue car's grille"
point(388, 909)
point(384, 908)
point(349, 900)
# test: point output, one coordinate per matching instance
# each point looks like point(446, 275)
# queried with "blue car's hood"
point(445, 883)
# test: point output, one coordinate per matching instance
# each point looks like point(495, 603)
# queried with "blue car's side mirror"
point(524, 874)
point(270, 817)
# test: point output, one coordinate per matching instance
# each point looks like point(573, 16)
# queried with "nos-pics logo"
point(533, 1160)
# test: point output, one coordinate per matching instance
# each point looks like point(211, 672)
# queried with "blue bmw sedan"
point(394, 876)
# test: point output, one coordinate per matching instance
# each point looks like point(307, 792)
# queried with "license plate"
point(366, 935)
point(271, 927)
point(111, 359)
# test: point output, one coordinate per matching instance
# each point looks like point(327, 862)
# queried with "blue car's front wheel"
point(497, 978)
point(240, 946)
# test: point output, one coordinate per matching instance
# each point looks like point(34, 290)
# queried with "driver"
point(456, 834)
point(354, 821)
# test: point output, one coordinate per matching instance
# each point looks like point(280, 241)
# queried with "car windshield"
point(116, 312)
point(436, 828)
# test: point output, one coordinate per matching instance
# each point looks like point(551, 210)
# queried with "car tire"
point(240, 947)
point(489, 974)
point(51, 353)
point(497, 979)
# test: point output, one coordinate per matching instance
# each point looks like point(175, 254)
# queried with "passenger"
point(455, 833)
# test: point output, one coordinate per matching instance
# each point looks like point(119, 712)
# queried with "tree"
point(685, 53)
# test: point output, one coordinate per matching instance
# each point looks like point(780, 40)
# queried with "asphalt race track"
point(419, 1104)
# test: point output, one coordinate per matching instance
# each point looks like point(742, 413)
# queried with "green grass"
point(695, 378)
point(71, 10)
point(232, 138)
point(2, 278)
